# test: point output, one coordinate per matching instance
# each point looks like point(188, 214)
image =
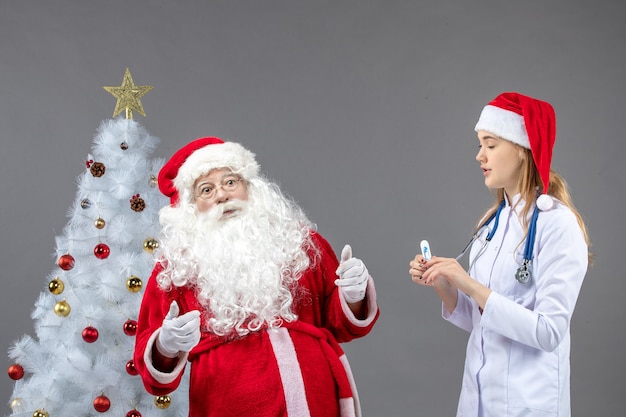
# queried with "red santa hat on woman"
point(530, 123)
point(198, 158)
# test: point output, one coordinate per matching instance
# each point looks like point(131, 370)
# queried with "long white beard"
point(244, 269)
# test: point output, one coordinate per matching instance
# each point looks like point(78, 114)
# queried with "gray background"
point(363, 111)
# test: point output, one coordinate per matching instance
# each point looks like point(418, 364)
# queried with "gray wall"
point(363, 110)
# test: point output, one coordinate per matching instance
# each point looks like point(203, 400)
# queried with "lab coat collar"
point(516, 204)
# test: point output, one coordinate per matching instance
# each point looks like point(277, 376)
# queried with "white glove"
point(178, 333)
point(353, 276)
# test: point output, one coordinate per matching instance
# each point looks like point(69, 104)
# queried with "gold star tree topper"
point(128, 96)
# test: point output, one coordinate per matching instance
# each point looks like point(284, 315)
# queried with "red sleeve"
point(154, 306)
point(336, 316)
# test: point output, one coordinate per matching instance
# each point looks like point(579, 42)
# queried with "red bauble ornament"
point(102, 403)
point(130, 368)
point(101, 251)
point(130, 327)
point(90, 334)
point(133, 413)
point(16, 371)
point(66, 262)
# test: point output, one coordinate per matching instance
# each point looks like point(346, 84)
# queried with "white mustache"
point(218, 211)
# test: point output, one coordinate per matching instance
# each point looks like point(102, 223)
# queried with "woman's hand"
point(417, 270)
point(449, 270)
point(445, 268)
point(418, 267)
point(421, 274)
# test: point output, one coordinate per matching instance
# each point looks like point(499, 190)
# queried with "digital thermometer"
point(425, 248)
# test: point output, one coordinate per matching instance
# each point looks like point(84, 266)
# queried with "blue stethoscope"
point(523, 274)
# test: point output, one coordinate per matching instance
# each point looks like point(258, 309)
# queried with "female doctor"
point(527, 262)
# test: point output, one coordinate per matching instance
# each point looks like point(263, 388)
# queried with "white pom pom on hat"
point(530, 123)
point(199, 157)
point(545, 202)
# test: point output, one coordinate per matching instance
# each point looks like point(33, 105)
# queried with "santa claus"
point(247, 292)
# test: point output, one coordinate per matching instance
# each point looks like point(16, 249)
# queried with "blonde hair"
point(529, 182)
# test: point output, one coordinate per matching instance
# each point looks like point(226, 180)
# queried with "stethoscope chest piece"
point(523, 275)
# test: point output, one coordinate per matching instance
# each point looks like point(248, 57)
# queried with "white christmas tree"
point(80, 362)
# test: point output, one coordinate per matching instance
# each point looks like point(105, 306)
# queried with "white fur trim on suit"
point(162, 377)
point(370, 294)
point(290, 372)
point(350, 406)
point(503, 123)
point(220, 155)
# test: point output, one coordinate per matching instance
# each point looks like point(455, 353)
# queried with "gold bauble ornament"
point(16, 404)
point(150, 244)
point(162, 401)
point(56, 286)
point(134, 283)
point(41, 413)
point(62, 308)
point(99, 223)
point(153, 181)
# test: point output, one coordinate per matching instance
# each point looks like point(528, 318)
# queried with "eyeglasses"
point(209, 191)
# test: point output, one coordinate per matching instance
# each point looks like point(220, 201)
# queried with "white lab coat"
point(517, 358)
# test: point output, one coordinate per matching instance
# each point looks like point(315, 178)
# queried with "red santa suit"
point(298, 369)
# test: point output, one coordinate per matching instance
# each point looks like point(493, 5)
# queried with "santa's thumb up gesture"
point(178, 333)
point(353, 276)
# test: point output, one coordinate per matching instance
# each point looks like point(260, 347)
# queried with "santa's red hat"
point(198, 158)
point(528, 122)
